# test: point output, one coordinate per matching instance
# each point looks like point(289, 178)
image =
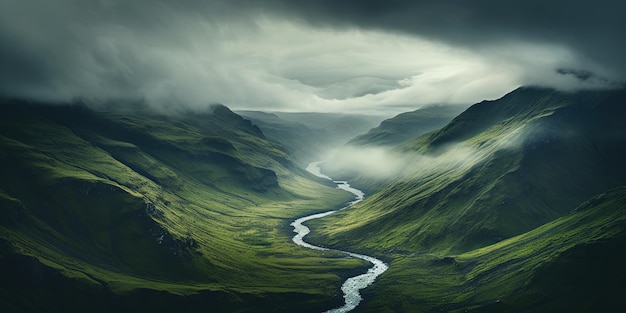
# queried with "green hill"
point(516, 205)
point(500, 169)
point(126, 209)
point(407, 125)
point(574, 263)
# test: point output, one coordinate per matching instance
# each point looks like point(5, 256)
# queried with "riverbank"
point(352, 286)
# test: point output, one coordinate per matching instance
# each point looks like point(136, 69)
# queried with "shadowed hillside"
point(311, 136)
point(500, 169)
point(407, 125)
point(516, 204)
point(121, 209)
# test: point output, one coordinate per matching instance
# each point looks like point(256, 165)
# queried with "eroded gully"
point(352, 286)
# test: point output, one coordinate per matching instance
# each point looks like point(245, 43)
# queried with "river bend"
point(352, 286)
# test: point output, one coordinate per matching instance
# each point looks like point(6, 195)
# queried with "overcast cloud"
point(367, 56)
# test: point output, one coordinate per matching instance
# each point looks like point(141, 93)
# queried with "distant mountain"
point(407, 125)
point(311, 136)
point(302, 142)
point(344, 125)
point(367, 151)
point(126, 209)
point(501, 169)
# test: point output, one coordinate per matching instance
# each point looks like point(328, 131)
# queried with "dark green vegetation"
point(127, 209)
point(516, 205)
point(408, 125)
point(311, 136)
point(493, 212)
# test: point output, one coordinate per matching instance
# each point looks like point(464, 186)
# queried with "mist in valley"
point(388, 163)
point(154, 154)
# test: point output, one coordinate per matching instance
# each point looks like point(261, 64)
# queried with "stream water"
point(352, 286)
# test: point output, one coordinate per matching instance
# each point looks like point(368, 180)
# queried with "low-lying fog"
point(384, 163)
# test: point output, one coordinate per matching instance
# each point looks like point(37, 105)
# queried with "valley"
point(312, 156)
point(493, 202)
point(138, 210)
point(510, 205)
point(352, 286)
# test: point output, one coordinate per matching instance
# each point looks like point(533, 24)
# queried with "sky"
point(358, 56)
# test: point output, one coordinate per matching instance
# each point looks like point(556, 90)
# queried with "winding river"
point(352, 285)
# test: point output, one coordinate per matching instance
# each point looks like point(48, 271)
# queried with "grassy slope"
point(526, 160)
point(573, 263)
point(541, 154)
point(139, 207)
point(407, 125)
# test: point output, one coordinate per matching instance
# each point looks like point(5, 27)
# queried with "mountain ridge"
point(134, 209)
point(500, 169)
point(511, 172)
point(407, 125)
point(133, 205)
point(311, 136)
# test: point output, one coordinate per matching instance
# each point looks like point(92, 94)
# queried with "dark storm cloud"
point(109, 47)
point(593, 28)
point(302, 55)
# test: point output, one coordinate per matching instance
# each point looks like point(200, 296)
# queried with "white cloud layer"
point(380, 162)
point(261, 62)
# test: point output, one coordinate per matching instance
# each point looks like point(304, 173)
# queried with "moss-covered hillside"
point(128, 209)
point(501, 172)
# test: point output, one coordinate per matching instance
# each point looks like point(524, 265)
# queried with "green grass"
point(572, 262)
point(525, 167)
point(466, 227)
point(136, 205)
point(129, 209)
